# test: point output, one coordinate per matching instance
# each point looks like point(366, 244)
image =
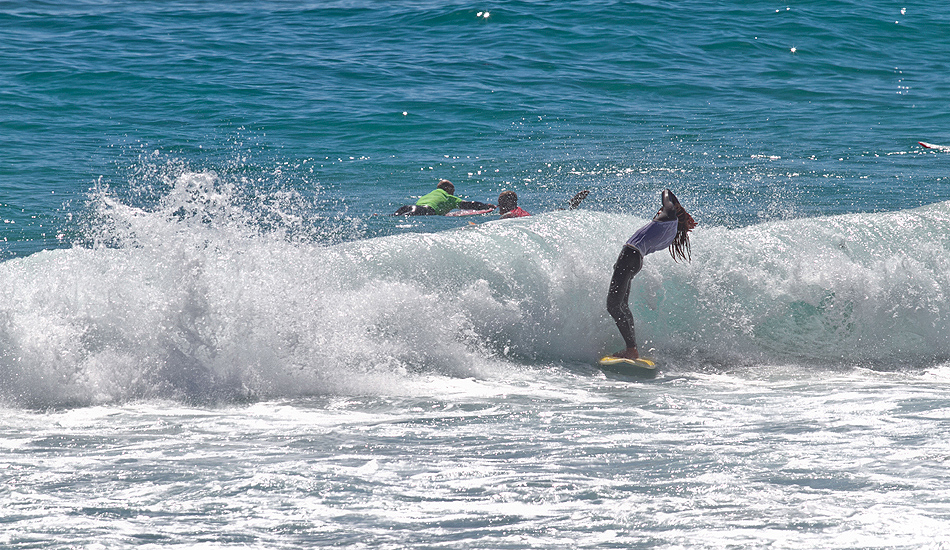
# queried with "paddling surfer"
point(440, 202)
point(508, 204)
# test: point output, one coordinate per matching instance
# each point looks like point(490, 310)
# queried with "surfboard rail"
point(457, 213)
point(642, 367)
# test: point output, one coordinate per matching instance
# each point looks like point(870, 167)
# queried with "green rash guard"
point(440, 201)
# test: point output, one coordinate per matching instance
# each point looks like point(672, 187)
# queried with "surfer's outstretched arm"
point(668, 210)
point(577, 199)
point(475, 205)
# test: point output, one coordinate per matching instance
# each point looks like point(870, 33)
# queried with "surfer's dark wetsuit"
point(628, 264)
point(656, 235)
point(415, 210)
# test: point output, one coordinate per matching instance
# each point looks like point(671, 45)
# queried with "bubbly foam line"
point(208, 306)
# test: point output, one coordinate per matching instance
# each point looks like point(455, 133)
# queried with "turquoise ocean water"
point(212, 334)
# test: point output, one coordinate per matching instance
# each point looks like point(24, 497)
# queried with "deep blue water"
point(751, 112)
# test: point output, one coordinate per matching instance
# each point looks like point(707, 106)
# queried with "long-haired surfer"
point(670, 227)
point(440, 202)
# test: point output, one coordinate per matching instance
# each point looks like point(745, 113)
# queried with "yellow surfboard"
point(642, 367)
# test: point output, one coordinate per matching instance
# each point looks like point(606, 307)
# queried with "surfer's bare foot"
point(629, 353)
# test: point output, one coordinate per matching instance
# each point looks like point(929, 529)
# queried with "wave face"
point(189, 300)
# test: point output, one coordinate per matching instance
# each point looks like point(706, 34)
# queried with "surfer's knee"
point(616, 306)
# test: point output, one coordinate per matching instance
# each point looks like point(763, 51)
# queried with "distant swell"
point(188, 301)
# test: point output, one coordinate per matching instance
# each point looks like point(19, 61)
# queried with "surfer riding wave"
point(670, 227)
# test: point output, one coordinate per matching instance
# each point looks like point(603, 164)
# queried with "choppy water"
point(212, 334)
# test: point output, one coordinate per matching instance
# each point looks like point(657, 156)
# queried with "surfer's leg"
point(414, 210)
point(628, 264)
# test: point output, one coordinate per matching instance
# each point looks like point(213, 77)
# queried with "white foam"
point(196, 298)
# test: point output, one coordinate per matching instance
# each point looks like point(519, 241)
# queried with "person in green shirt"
point(440, 202)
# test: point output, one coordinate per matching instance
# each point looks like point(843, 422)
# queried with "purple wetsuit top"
point(653, 236)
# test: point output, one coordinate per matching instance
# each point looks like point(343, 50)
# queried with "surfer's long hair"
point(679, 249)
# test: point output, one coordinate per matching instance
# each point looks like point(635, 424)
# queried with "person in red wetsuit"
point(669, 228)
point(508, 206)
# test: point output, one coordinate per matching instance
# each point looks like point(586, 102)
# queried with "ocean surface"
point(214, 335)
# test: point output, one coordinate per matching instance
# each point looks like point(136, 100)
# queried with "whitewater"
point(187, 299)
